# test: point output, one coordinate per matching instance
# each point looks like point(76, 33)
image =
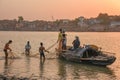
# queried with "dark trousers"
point(42, 55)
point(6, 54)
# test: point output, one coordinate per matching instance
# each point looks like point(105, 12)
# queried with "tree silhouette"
point(104, 18)
point(20, 19)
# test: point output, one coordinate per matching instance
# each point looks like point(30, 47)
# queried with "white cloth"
point(27, 46)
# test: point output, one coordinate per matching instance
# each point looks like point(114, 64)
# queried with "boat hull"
point(100, 59)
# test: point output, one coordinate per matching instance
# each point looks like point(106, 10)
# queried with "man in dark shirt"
point(76, 43)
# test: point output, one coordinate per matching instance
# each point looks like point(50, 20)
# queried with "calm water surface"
point(53, 68)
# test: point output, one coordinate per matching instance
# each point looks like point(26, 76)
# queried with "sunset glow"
point(59, 9)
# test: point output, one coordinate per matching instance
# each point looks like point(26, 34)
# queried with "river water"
point(53, 68)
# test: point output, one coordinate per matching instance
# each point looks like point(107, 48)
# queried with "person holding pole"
point(59, 41)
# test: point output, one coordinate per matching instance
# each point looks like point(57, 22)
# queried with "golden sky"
point(59, 9)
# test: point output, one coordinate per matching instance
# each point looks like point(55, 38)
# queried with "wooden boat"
point(89, 54)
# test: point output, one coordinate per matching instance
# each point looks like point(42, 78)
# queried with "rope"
point(34, 55)
point(46, 49)
point(51, 46)
point(13, 55)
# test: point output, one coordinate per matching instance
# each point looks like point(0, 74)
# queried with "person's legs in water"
point(27, 52)
point(6, 54)
point(42, 56)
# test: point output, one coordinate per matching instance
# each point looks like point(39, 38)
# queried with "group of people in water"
point(62, 45)
point(27, 49)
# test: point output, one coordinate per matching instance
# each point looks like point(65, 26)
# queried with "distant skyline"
point(56, 9)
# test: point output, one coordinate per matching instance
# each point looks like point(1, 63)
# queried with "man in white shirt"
point(27, 48)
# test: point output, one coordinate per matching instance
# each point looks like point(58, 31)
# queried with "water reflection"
point(7, 66)
point(69, 70)
point(41, 67)
point(62, 70)
point(27, 58)
point(83, 71)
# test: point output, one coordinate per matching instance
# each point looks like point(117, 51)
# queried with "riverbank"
point(71, 26)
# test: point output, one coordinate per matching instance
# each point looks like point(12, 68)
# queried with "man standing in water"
point(27, 48)
point(59, 41)
point(41, 51)
point(6, 48)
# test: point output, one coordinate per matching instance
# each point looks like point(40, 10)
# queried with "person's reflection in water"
point(42, 69)
point(27, 63)
point(7, 66)
point(62, 70)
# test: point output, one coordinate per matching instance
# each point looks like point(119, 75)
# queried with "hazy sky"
point(59, 9)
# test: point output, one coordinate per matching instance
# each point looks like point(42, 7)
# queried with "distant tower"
point(52, 18)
